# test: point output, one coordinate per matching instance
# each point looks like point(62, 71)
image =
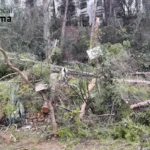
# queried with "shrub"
point(130, 131)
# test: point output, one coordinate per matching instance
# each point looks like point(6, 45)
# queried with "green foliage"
point(124, 30)
point(56, 55)
point(79, 86)
point(130, 131)
point(115, 48)
point(126, 44)
point(144, 118)
point(134, 91)
point(9, 108)
point(76, 129)
point(4, 69)
point(4, 96)
point(41, 70)
point(4, 91)
point(28, 56)
point(108, 99)
point(25, 88)
point(143, 61)
point(21, 61)
point(79, 46)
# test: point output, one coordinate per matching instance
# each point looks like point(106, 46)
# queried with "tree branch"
point(14, 68)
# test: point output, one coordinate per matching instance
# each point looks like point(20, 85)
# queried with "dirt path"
point(32, 140)
point(83, 145)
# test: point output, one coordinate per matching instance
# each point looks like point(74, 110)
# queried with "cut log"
point(141, 104)
point(140, 82)
point(57, 69)
point(139, 73)
point(104, 115)
point(45, 108)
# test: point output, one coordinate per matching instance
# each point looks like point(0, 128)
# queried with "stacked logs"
point(38, 118)
point(32, 118)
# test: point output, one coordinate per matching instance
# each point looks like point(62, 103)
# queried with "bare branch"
point(14, 68)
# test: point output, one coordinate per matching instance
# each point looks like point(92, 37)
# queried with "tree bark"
point(64, 24)
point(46, 27)
point(93, 29)
point(141, 104)
point(54, 11)
point(52, 114)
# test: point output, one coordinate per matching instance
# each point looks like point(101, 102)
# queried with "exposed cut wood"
point(83, 106)
point(45, 108)
point(82, 111)
point(40, 86)
point(92, 84)
point(141, 104)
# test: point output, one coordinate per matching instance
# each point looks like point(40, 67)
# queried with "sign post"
point(94, 52)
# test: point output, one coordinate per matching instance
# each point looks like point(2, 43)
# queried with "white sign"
point(94, 52)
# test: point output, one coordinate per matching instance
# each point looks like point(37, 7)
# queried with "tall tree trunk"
point(30, 13)
point(64, 24)
point(54, 11)
point(105, 12)
point(46, 35)
point(110, 8)
point(93, 25)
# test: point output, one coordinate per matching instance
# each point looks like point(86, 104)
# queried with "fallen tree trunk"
point(103, 115)
point(44, 95)
point(141, 82)
point(139, 73)
point(141, 104)
point(57, 69)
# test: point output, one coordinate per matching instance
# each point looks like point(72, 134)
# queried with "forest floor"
point(28, 140)
point(86, 145)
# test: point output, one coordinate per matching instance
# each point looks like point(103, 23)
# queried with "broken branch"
point(141, 104)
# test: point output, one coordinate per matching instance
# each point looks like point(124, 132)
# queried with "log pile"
point(35, 118)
